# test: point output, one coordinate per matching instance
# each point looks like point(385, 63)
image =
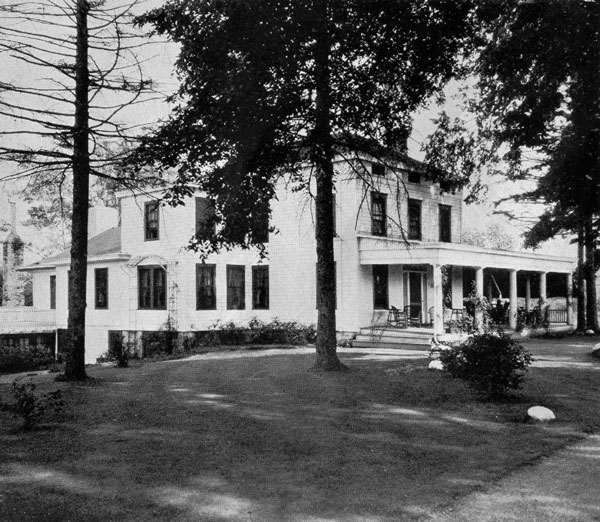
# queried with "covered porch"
point(426, 283)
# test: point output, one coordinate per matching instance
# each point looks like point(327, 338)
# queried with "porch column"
point(543, 286)
point(479, 281)
point(527, 292)
point(438, 300)
point(570, 299)
point(479, 290)
point(512, 319)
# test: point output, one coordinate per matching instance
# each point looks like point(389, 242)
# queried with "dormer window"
point(414, 219)
point(377, 169)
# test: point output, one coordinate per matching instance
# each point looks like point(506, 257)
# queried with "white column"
point(527, 292)
point(570, 299)
point(479, 290)
point(438, 304)
point(543, 286)
point(479, 281)
point(513, 300)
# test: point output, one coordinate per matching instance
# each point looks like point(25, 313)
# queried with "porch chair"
point(396, 318)
point(413, 319)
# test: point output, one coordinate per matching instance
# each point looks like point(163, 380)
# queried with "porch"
point(433, 284)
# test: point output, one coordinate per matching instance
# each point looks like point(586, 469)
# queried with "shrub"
point(31, 407)
point(491, 363)
point(18, 358)
point(118, 351)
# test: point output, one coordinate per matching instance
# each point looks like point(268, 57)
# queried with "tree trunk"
point(75, 356)
point(322, 151)
point(581, 291)
point(590, 277)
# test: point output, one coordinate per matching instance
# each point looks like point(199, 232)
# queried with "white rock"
point(540, 413)
point(596, 350)
point(436, 365)
point(589, 332)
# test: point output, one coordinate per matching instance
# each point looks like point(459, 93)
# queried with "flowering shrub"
point(491, 363)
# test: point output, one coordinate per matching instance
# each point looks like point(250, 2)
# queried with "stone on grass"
point(541, 414)
point(436, 365)
point(589, 332)
point(596, 350)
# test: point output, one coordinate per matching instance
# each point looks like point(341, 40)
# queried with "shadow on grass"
point(264, 439)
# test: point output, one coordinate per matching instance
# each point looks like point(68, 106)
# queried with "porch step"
point(392, 338)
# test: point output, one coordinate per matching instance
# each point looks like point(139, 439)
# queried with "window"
point(151, 221)
point(236, 287)
point(414, 219)
point(52, 292)
point(205, 218)
point(260, 287)
point(152, 286)
point(377, 169)
point(380, 287)
point(445, 218)
point(206, 292)
point(378, 214)
point(101, 284)
point(414, 177)
point(5, 253)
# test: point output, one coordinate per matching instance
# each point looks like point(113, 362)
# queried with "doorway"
point(415, 294)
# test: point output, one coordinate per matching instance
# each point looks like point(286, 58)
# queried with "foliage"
point(491, 363)
point(17, 358)
point(163, 341)
point(466, 324)
point(478, 307)
point(272, 90)
point(31, 407)
point(259, 332)
point(118, 351)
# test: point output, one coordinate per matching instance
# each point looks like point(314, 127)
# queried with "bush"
point(31, 407)
point(18, 358)
point(491, 363)
point(118, 350)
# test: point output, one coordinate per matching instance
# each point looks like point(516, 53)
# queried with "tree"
point(82, 52)
point(270, 87)
point(538, 114)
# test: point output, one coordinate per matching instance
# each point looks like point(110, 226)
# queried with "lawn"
point(257, 436)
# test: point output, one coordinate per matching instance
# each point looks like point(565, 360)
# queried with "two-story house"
point(397, 245)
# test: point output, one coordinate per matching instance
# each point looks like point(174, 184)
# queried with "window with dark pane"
point(152, 288)
point(445, 217)
point(260, 287)
point(414, 219)
point(151, 211)
point(414, 177)
point(378, 214)
point(206, 292)
point(205, 218)
point(236, 287)
point(101, 288)
point(377, 169)
point(380, 287)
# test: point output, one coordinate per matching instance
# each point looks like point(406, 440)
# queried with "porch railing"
point(25, 318)
point(557, 316)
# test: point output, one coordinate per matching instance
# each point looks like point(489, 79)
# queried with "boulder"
point(590, 332)
point(436, 365)
point(540, 414)
point(596, 350)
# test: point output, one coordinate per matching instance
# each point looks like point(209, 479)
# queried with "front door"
point(414, 284)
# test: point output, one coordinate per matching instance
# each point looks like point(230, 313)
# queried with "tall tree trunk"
point(581, 291)
point(590, 277)
point(75, 357)
point(327, 358)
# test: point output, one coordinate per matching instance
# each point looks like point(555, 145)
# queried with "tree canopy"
point(277, 87)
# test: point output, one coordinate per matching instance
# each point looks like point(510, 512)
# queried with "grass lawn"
point(243, 437)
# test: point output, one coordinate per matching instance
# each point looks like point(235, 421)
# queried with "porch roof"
point(391, 251)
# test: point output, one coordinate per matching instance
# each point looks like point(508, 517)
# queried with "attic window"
point(414, 177)
point(377, 169)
